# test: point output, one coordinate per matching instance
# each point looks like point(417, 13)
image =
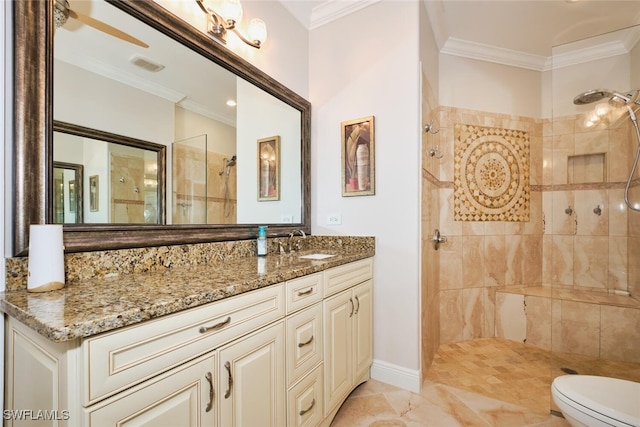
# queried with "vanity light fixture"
point(227, 18)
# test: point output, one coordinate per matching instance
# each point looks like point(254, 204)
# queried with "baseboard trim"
point(395, 375)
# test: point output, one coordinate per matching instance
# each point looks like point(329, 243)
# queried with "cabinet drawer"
point(303, 292)
point(304, 342)
point(345, 276)
point(120, 359)
point(183, 396)
point(305, 401)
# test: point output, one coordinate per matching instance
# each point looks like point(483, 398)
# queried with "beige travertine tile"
point(564, 221)
point(495, 260)
point(451, 316)
point(561, 255)
point(596, 141)
point(618, 157)
point(536, 156)
point(510, 320)
point(532, 262)
point(450, 263)
point(535, 224)
point(580, 328)
point(589, 223)
point(448, 225)
point(538, 313)
point(620, 333)
point(618, 263)
point(473, 261)
point(514, 260)
point(618, 212)
point(591, 261)
point(473, 307)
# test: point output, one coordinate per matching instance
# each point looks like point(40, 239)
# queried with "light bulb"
point(231, 10)
point(257, 30)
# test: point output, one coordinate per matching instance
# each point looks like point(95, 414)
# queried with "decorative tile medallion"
point(491, 174)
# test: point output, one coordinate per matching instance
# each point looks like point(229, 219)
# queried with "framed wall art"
point(94, 195)
point(269, 168)
point(358, 157)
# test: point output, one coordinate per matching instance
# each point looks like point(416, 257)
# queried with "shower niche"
point(587, 169)
point(203, 185)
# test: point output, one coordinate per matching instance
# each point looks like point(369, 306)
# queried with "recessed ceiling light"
point(231, 103)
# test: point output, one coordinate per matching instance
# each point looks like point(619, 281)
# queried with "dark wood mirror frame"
point(160, 150)
point(33, 134)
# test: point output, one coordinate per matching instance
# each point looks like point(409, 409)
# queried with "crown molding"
point(334, 9)
point(498, 55)
point(483, 52)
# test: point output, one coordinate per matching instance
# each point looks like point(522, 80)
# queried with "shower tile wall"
point(481, 256)
point(581, 251)
point(430, 316)
point(581, 248)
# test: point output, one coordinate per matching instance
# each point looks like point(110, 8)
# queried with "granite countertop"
point(88, 307)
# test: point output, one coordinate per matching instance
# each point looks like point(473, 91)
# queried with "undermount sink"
point(316, 256)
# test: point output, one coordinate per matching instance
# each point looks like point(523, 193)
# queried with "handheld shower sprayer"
point(618, 99)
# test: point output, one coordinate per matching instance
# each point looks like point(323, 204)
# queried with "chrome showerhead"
point(591, 96)
point(232, 162)
point(615, 97)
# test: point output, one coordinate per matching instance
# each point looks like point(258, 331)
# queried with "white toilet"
point(597, 401)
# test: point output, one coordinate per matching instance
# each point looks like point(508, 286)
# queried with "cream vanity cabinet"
point(348, 332)
point(263, 358)
point(164, 372)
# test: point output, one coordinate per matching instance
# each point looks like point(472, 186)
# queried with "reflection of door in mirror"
point(67, 198)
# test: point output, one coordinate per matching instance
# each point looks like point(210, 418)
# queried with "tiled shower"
point(557, 269)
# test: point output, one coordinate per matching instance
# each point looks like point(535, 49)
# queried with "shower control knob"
point(437, 239)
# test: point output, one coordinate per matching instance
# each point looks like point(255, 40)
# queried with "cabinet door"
point(338, 313)
point(362, 329)
point(252, 389)
point(184, 396)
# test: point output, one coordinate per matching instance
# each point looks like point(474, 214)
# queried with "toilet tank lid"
point(612, 397)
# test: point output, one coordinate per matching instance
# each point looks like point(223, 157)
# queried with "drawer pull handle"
point(307, 342)
point(352, 307)
point(304, 411)
point(209, 378)
point(230, 384)
point(358, 307)
point(307, 292)
point(222, 324)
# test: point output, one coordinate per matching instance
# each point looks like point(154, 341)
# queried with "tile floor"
point(483, 382)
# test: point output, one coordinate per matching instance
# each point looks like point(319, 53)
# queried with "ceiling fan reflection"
point(62, 12)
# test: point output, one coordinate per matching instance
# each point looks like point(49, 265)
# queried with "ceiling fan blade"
point(106, 28)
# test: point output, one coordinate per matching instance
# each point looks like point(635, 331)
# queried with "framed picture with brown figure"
point(269, 168)
point(358, 157)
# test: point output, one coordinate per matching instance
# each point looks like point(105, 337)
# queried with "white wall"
point(97, 103)
point(261, 115)
point(612, 73)
point(486, 86)
point(357, 69)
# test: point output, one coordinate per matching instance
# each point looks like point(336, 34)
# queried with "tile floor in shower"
point(483, 382)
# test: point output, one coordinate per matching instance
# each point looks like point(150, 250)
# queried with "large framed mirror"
point(53, 83)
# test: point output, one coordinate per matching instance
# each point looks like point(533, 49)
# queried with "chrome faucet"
point(295, 246)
